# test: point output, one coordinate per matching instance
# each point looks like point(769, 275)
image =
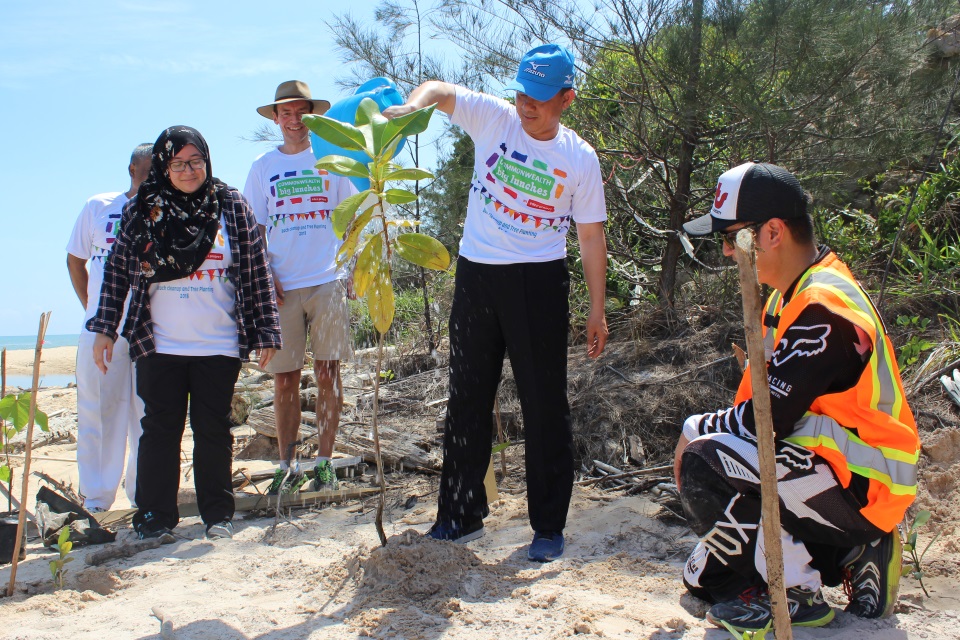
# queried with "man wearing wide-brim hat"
point(292, 201)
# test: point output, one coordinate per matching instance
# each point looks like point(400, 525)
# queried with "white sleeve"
point(589, 203)
point(476, 113)
point(81, 239)
point(255, 195)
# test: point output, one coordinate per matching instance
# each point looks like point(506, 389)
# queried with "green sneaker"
point(750, 611)
point(286, 481)
point(325, 477)
point(872, 577)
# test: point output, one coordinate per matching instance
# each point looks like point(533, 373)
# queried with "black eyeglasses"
point(178, 166)
point(730, 237)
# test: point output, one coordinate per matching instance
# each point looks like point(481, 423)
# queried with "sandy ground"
point(54, 361)
point(322, 573)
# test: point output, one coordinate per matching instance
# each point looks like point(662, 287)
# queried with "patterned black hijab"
point(174, 231)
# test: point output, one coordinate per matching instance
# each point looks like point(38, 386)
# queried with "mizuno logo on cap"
point(534, 69)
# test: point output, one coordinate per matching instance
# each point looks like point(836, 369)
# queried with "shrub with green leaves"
point(371, 233)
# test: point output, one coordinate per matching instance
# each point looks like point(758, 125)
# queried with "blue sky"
point(81, 84)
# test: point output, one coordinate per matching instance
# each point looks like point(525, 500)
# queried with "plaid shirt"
point(258, 323)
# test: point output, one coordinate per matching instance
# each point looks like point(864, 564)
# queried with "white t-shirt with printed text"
point(197, 315)
point(525, 191)
point(93, 235)
point(293, 200)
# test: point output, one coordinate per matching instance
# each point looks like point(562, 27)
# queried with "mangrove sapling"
point(912, 566)
point(759, 634)
point(14, 416)
point(371, 234)
point(63, 547)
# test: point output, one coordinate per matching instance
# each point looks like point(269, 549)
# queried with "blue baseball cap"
point(543, 71)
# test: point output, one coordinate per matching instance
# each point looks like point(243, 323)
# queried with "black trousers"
point(166, 383)
point(720, 493)
point(520, 309)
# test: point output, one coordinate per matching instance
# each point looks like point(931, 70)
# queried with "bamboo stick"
point(21, 521)
point(3, 392)
point(746, 256)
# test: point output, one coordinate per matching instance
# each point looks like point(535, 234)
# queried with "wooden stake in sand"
point(21, 522)
point(746, 256)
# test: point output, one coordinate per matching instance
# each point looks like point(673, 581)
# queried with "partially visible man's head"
point(140, 163)
point(755, 193)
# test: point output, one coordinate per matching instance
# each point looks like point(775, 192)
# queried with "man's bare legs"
point(286, 407)
point(329, 403)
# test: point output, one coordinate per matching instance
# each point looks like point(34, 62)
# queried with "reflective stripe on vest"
point(892, 468)
point(885, 396)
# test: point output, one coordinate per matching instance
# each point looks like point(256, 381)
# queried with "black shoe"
point(871, 577)
point(750, 611)
point(442, 530)
point(150, 527)
point(546, 546)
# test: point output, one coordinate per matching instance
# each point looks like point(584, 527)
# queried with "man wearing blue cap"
point(532, 179)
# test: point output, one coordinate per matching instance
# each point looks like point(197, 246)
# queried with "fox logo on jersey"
point(801, 342)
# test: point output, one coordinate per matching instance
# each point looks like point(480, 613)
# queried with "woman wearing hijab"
point(191, 256)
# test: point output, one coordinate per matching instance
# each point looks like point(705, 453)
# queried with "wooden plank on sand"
point(250, 502)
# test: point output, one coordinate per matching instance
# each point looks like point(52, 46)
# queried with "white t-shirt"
point(197, 315)
point(524, 191)
point(93, 234)
point(293, 200)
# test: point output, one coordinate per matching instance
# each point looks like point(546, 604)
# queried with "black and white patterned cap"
point(751, 192)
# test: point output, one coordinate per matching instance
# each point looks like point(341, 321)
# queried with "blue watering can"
point(382, 91)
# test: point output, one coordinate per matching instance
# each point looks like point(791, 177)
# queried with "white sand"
point(327, 577)
point(53, 361)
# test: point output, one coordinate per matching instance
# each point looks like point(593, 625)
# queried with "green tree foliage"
point(674, 92)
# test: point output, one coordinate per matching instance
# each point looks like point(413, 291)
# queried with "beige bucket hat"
point(288, 92)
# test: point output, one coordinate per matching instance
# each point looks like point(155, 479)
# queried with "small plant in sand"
point(759, 634)
point(14, 416)
point(912, 566)
point(371, 232)
point(63, 547)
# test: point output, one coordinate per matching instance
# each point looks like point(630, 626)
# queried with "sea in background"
point(14, 343)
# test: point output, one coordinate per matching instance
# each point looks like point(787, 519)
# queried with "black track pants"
point(520, 309)
point(720, 492)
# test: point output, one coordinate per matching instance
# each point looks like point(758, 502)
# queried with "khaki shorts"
point(323, 310)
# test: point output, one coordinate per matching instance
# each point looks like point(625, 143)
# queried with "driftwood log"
point(125, 550)
point(396, 448)
point(264, 422)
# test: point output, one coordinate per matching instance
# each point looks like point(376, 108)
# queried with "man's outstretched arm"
point(443, 94)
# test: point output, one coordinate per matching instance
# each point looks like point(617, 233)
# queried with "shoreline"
point(53, 361)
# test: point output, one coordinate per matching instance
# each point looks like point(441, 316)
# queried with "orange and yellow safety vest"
point(867, 430)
